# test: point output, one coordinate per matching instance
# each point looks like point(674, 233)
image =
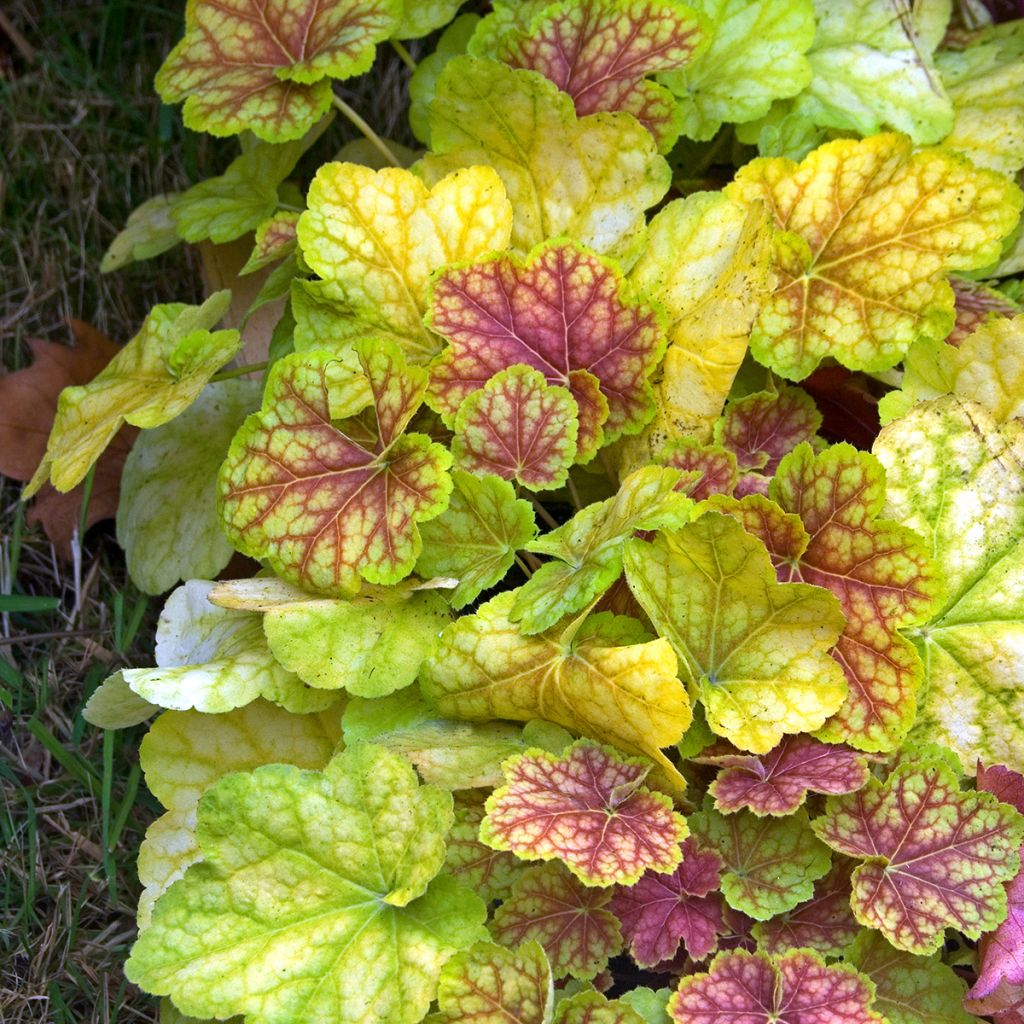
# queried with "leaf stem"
point(544, 513)
point(368, 133)
point(240, 371)
point(526, 570)
point(407, 58)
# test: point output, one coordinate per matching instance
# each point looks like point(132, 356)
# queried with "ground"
point(85, 141)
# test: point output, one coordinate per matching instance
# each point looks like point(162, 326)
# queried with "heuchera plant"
point(588, 674)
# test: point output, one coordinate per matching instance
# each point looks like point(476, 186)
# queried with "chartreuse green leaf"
point(591, 1007)
point(268, 69)
point(115, 705)
point(909, 989)
point(756, 55)
point(602, 677)
point(934, 856)
point(588, 178)
point(369, 645)
point(316, 898)
point(871, 71)
point(150, 231)
point(226, 207)
point(798, 987)
point(154, 378)
point(954, 476)
point(588, 548)
point(276, 238)
point(770, 864)
point(985, 81)
point(423, 82)
point(846, 216)
point(185, 752)
point(375, 237)
point(600, 52)
point(754, 651)
point(167, 519)
point(475, 539)
point(708, 265)
point(651, 1005)
point(324, 508)
point(215, 659)
point(451, 754)
point(587, 808)
point(421, 17)
point(490, 984)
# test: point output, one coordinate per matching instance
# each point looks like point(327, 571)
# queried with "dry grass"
point(85, 141)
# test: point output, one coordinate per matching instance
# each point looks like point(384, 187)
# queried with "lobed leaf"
point(587, 808)
point(754, 650)
point(320, 890)
point(266, 68)
point(489, 873)
point(590, 179)
point(573, 922)
point(375, 237)
point(599, 52)
point(934, 856)
point(154, 378)
point(601, 677)
point(867, 232)
point(662, 911)
point(324, 509)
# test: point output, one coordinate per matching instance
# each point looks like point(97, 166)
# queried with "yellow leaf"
point(868, 230)
point(601, 677)
point(708, 264)
point(154, 378)
point(988, 368)
point(756, 651)
point(375, 237)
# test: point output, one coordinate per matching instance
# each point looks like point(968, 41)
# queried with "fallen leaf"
point(28, 404)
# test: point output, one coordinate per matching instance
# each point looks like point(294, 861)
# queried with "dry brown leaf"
point(28, 404)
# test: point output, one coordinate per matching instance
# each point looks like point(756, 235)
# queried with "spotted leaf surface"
point(572, 921)
point(797, 988)
point(587, 808)
point(603, 678)
point(590, 1007)
point(565, 312)
point(934, 856)
point(320, 888)
point(777, 783)
point(266, 67)
point(154, 378)
point(708, 265)
point(755, 651)
point(662, 911)
point(759, 429)
point(755, 56)
point(375, 237)
point(824, 923)
point(276, 237)
point(475, 539)
point(601, 53)
point(953, 475)
point(518, 427)
point(489, 984)
point(1001, 952)
point(322, 508)
point(909, 989)
point(868, 231)
point(769, 864)
point(589, 547)
point(588, 178)
point(489, 873)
